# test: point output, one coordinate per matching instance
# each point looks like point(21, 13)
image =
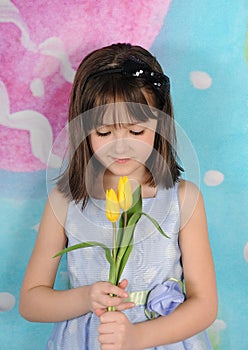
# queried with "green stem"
point(120, 247)
point(125, 220)
point(114, 252)
point(114, 242)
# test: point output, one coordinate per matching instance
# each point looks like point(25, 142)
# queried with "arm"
point(200, 308)
point(39, 302)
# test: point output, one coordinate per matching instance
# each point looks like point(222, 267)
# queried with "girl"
point(121, 124)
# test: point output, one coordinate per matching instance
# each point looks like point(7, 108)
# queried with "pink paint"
point(39, 80)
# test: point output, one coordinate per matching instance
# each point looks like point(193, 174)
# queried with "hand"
point(116, 332)
point(100, 297)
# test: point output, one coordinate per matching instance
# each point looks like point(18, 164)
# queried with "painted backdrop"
point(203, 47)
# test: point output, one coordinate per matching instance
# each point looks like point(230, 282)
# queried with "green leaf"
point(127, 241)
point(136, 207)
point(128, 231)
point(86, 245)
point(156, 224)
point(124, 260)
point(137, 203)
point(126, 244)
point(120, 232)
point(112, 274)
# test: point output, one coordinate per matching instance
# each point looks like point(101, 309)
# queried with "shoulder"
point(190, 199)
point(187, 190)
point(57, 195)
point(58, 204)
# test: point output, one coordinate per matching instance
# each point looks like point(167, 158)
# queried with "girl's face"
point(123, 149)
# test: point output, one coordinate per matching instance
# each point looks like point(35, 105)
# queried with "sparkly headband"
point(134, 67)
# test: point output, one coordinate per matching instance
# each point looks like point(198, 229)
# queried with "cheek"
point(96, 144)
point(101, 150)
point(148, 145)
point(148, 139)
point(142, 148)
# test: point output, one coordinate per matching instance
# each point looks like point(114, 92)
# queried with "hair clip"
point(134, 67)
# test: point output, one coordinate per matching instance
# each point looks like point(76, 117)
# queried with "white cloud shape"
point(215, 329)
point(213, 178)
point(9, 13)
point(54, 47)
point(7, 301)
point(51, 345)
point(200, 80)
point(37, 87)
point(41, 135)
point(36, 227)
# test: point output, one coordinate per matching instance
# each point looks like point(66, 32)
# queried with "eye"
point(103, 133)
point(136, 132)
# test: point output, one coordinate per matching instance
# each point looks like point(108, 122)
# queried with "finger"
point(123, 284)
point(117, 291)
point(107, 346)
point(112, 316)
point(108, 301)
point(99, 312)
point(108, 317)
point(106, 341)
point(107, 328)
point(125, 306)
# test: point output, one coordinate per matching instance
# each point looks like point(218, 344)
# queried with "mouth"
point(121, 160)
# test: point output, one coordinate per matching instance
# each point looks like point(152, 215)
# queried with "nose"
point(121, 141)
point(120, 145)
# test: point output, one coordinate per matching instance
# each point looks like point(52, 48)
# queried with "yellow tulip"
point(112, 206)
point(125, 196)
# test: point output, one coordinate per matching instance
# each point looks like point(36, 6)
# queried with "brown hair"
point(100, 81)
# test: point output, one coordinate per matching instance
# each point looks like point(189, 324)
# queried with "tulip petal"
point(112, 206)
point(125, 196)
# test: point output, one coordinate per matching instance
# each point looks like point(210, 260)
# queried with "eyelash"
point(104, 134)
point(137, 133)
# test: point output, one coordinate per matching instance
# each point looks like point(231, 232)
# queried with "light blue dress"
point(153, 260)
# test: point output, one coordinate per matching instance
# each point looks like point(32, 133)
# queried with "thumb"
point(123, 284)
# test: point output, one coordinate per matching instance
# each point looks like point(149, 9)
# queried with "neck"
point(108, 180)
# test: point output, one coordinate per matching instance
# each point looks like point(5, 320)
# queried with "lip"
point(121, 160)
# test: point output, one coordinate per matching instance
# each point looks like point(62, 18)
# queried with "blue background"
point(211, 38)
point(199, 35)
